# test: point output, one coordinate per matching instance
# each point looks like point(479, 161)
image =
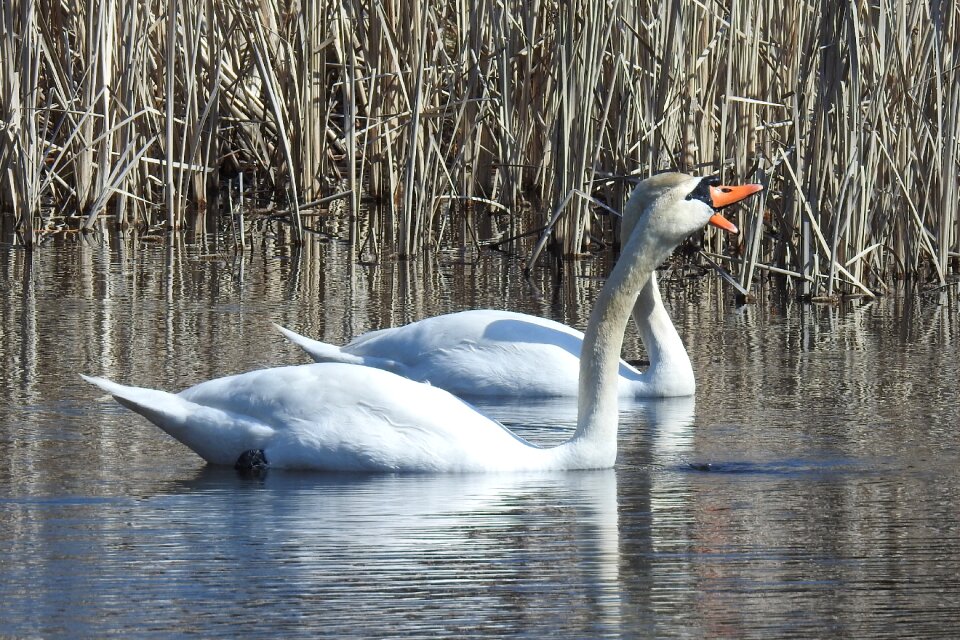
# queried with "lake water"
point(810, 490)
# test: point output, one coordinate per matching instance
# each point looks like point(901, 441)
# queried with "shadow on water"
point(809, 490)
point(788, 468)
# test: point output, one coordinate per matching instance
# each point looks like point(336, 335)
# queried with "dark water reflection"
point(810, 491)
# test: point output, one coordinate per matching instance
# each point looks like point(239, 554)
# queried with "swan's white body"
point(318, 416)
point(335, 416)
point(487, 352)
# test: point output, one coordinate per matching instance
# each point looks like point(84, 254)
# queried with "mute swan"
point(486, 352)
point(336, 416)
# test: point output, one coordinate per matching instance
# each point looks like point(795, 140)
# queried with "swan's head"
point(672, 206)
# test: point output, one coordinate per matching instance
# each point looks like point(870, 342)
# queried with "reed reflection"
point(829, 506)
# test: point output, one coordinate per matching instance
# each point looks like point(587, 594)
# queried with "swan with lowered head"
point(336, 416)
point(488, 352)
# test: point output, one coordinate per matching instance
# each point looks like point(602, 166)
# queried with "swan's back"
point(472, 326)
point(332, 416)
point(483, 352)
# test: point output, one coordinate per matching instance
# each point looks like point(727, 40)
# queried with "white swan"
point(487, 352)
point(335, 416)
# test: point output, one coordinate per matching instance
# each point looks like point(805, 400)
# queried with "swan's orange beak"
point(723, 196)
point(720, 222)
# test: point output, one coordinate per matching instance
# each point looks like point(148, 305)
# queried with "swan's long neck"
point(670, 371)
point(595, 440)
point(669, 363)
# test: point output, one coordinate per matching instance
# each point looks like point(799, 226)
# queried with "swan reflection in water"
point(439, 547)
point(650, 431)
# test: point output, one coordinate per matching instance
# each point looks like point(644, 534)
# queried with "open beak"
point(723, 196)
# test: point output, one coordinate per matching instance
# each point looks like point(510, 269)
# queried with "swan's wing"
point(328, 416)
point(480, 352)
point(486, 352)
point(337, 416)
point(476, 353)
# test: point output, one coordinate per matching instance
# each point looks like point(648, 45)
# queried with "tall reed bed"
point(439, 124)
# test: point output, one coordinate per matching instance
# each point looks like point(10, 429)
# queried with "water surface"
point(809, 490)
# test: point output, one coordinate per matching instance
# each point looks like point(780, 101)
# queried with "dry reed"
point(452, 118)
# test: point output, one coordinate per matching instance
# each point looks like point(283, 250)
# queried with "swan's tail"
point(319, 351)
point(324, 352)
point(215, 435)
point(159, 407)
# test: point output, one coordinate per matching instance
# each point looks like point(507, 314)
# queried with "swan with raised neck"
point(498, 353)
point(334, 416)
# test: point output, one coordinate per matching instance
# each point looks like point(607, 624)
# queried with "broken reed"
point(445, 112)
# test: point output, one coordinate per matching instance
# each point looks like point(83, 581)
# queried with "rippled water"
point(810, 490)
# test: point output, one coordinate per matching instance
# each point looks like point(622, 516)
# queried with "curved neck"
point(669, 362)
point(602, 341)
point(670, 371)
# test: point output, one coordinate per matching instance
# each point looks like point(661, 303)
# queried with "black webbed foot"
point(252, 462)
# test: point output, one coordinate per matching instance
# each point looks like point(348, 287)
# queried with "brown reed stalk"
point(442, 113)
point(22, 153)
